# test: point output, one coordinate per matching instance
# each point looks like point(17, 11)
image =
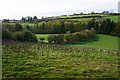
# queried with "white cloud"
point(18, 8)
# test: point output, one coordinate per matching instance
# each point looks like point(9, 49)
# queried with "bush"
point(25, 36)
point(68, 38)
point(71, 38)
point(6, 34)
point(19, 36)
point(51, 39)
point(42, 39)
point(57, 39)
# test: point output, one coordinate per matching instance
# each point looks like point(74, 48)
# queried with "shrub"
point(42, 39)
point(57, 39)
point(19, 36)
point(51, 39)
point(18, 27)
point(68, 38)
point(6, 34)
point(25, 36)
point(29, 36)
point(71, 38)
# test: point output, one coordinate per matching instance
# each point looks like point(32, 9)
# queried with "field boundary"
point(60, 47)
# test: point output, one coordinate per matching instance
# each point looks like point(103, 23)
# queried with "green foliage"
point(5, 21)
point(45, 36)
point(28, 36)
point(8, 26)
point(59, 39)
point(51, 39)
point(56, 38)
point(91, 24)
point(6, 34)
point(18, 27)
point(42, 39)
point(106, 27)
point(71, 38)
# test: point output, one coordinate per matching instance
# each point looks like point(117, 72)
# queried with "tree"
point(62, 27)
point(43, 25)
point(53, 28)
point(71, 27)
point(30, 19)
point(28, 27)
point(18, 27)
point(35, 17)
point(91, 24)
point(106, 27)
point(6, 34)
point(6, 21)
point(23, 19)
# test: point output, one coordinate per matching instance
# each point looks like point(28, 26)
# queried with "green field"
point(104, 42)
point(79, 16)
point(42, 36)
point(113, 18)
point(30, 24)
point(30, 60)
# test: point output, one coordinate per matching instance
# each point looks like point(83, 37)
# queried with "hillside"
point(104, 42)
point(87, 17)
point(31, 60)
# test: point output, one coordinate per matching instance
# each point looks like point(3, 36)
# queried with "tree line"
point(103, 26)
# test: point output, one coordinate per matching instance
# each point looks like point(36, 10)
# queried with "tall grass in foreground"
point(34, 60)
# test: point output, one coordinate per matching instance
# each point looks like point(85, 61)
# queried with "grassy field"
point(113, 18)
point(42, 36)
point(30, 60)
point(30, 24)
point(104, 42)
point(79, 16)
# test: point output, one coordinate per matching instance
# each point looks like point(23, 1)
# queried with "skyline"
point(16, 9)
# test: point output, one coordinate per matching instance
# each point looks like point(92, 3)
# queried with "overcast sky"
point(15, 9)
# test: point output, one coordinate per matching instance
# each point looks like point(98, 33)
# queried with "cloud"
point(18, 8)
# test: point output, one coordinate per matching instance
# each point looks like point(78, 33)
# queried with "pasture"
point(104, 16)
point(104, 42)
point(33, 60)
point(42, 36)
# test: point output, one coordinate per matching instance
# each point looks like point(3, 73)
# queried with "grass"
point(30, 24)
point(113, 18)
point(79, 16)
point(82, 19)
point(104, 42)
point(42, 36)
point(55, 61)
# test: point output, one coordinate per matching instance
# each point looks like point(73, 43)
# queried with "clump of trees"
point(103, 27)
point(70, 38)
point(24, 35)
